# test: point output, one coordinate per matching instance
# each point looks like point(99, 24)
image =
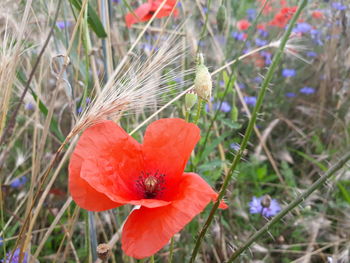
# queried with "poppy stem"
point(92, 234)
point(152, 259)
point(199, 110)
point(187, 116)
point(171, 250)
point(251, 124)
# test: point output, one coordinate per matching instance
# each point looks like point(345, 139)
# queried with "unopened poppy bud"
point(266, 201)
point(190, 100)
point(202, 82)
point(221, 17)
point(103, 251)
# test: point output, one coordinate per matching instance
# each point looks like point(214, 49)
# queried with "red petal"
point(82, 193)
point(150, 203)
point(166, 9)
point(142, 11)
point(107, 159)
point(147, 230)
point(167, 146)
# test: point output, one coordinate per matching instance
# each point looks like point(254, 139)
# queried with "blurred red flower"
point(146, 11)
point(109, 168)
point(283, 16)
point(243, 24)
point(317, 14)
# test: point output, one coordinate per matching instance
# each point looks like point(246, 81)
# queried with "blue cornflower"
point(15, 258)
point(62, 24)
point(311, 54)
point(251, 13)
point(263, 33)
point(235, 146)
point(1, 241)
point(314, 33)
point(225, 106)
point(88, 100)
point(302, 28)
point(241, 85)
point(18, 182)
point(307, 90)
point(265, 206)
point(29, 106)
point(250, 100)
point(147, 47)
point(338, 6)
point(201, 43)
point(179, 79)
point(316, 36)
point(290, 94)
point(288, 72)
point(240, 36)
point(222, 83)
point(267, 56)
point(205, 10)
point(260, 42)
point(258, 79)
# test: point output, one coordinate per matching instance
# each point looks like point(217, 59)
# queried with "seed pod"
point(190, 100)
point(221, 18)
point(103, 251)
point(202, 82)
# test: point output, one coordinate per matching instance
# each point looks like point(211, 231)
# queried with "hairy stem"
point(250, 127)
point(199, 110)
point(292, 205)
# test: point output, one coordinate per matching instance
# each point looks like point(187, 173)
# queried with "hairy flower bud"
point(202, 82)
point(190, 100)
point(221, 18)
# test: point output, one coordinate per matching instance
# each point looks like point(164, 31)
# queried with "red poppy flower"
point(317, 14)
point(283, 16)
point(146, 11)
point(109, 168)
point(243, 24)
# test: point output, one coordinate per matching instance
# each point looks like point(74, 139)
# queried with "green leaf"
point(288, 174)
point(261, 172)
point(344, 192)
point(210, 148)
point(93, 19)
point(231, 124)
point(311, 159)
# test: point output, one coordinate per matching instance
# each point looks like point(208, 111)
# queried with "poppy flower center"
point(150, 185)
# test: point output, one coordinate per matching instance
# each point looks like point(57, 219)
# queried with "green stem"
point(152, 259)
point(292, 205)
point(187, 116)
point(92, 234)
point(250, 127)
point(171, 253)
point(199, 110)
point(204, 29)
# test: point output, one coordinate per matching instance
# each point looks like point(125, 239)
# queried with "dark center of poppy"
point(150, 185)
